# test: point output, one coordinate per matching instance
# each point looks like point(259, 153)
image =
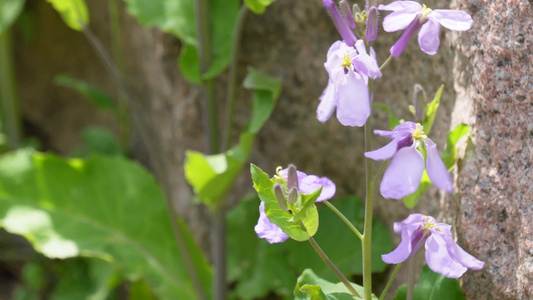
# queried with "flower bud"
point(293, 196)
point(346, 13)
point(419, 103)
point(282, 202)
point(372, 24)
point(343, 29)
point(292, 178)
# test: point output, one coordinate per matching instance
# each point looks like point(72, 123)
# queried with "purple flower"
point(443, 255)
point(303, 183)
point(347, 91)
point(403, 175)
point(413, 17)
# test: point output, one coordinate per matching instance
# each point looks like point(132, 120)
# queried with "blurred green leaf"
point(73, 12)
point(310, 286)
point(97, 97)
point(432, 286)
point(431, 111)
point(140, 291)
point(102, 207)
point(9, 11)
point(393, 120)
point(412, 200)
point(347, 258)
point(99, 141)
point(177, 17)
point(258, 6)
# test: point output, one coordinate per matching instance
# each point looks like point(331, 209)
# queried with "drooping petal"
point(312, 183)
point(328, 189)
point(384, 152)
point(403, 251)
point(398, 47)
point(465, 258)
point(457, 20)
point(353, 107)
point(439, 259)
point(401, 6)
point(267, 230)
point(327, 103)
point(428, 37)
point(436, 169)
point(367, 65)
point(399, 20)
point(403, 175)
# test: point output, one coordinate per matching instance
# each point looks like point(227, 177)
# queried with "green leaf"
point(258, 6)
point(393, 120)
point(140, 291)
point(73, 12)
point(102, 207)
point(412, 200)
point(9, 11)
point(99, 141)
point(347, 258)
point(266, 91)
point(432, 286)
point(431, 111)
point(449, 157)
point(310, 286)
point(257, 80)
point(97, 97)
point(177, 17)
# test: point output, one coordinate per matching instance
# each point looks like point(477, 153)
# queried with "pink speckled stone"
point(494, 84)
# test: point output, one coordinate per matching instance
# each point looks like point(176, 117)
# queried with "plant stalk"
point(333, 268)
point(391, 279)
point(386, 63)
point(218, 240)
point(10, 115)
point(367, 232)
point(232, 78)
point(411, 278)
point(343, 218)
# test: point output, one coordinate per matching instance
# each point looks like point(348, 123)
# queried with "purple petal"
point(399, 20)
point(439, 259)
point(428, 37)
point(312, 183)
point(402, 252)
point(327, 103)
point(384, 152)
point(465, 258)
point(457, 20)
point(403, 175)
point(285, 175)
point(397, 49)
point(267, 230)
point(367, 65)
point(435, 168)
point(353, 107)
point(401, 6)
point(411, 220)
point(328, 189)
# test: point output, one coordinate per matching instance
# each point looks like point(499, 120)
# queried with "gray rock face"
point(494, 84)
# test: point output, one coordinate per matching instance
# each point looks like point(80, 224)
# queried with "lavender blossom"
point(443, 255)
point(305, 184)
point(403, 175)
point(347, 91)
point(413, 17)
point(340, 22)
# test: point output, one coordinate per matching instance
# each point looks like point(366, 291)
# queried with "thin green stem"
point(10, 116)
point(367, 233)
point(218, 239)
point(210, 115)
point(232, 78)
point(333, 268)
point(385, 63)
point(343, 218)
point(381, 169)
point(411, 278)
point(391, 279)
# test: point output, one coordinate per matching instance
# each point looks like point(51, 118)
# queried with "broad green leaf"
point(450, 154)
point(102, 207)
point(432, 286)
point(347, 258)
point(393, 120)
point(73, 12)
point(96, 96)
point(177, 17)
point(140, 291)
point(448, 158)
point(9, 11)
point(266, 91)
point(311, 286)
point(258, 6)
point(431, 111)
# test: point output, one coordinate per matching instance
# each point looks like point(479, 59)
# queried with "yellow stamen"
point(346, 61)
point(429, 225)
point(278, 175)
point(418, 133)
point(425, 12)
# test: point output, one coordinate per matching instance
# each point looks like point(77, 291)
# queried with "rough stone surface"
point(494, 84)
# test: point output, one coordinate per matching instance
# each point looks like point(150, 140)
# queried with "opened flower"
point(297, 182)
point(413, 17)
point(403, 175)
point(347, 91)
point(443, 255)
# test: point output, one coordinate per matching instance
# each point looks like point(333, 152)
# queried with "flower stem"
point(411, 278)
point(232, 76)
point(333, 268)
point(385, 63)
point(8, 94)
point(367, 233)
point(350, 225)
point(384, 293)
